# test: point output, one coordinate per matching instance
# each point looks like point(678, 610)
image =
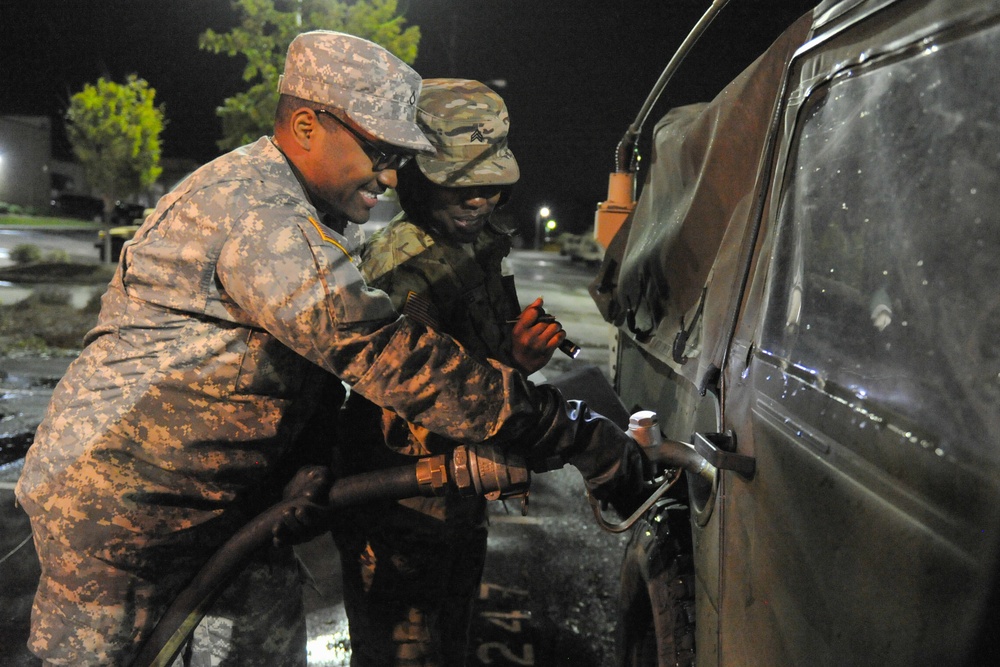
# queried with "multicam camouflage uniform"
point(229, 303)
point(412, 569)
point(421, 560)
point(467, 124)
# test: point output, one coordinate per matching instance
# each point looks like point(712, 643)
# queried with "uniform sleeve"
point(296, 280)
point(395, 261)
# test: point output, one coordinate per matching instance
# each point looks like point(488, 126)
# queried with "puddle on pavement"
point(24, 396)
point(13, 448)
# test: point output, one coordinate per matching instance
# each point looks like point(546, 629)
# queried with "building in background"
point(25, 156)
point(32, 178)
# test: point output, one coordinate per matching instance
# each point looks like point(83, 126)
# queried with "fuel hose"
point(187, 610)
point(468, 470)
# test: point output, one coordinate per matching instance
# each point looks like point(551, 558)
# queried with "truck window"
point(883, 285)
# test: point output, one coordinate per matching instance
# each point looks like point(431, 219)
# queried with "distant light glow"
point(544, 211)
point(550, 225)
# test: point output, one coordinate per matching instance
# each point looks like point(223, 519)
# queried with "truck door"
point(865, 372)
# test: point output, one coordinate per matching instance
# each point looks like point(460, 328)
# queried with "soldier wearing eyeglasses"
point(412, 568)
point(179, 419)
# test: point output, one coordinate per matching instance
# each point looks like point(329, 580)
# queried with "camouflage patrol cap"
point(467, 123)
point(377, 90)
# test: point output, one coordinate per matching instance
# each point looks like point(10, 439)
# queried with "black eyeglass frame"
point(381, 158)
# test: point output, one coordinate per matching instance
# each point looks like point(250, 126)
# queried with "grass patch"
point(46, 323)
point(14, 220)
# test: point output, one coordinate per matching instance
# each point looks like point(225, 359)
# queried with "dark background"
point(576, 71)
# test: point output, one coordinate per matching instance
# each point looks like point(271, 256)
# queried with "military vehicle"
point(805, 291)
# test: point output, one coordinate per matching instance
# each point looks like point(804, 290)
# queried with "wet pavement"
point(25, 387)
point(18, 571)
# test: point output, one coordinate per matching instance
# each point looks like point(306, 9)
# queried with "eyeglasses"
point(381, 158)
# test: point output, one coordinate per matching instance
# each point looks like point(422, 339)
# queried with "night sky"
point(576, 71)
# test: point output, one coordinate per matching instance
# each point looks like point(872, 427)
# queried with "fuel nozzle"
point(644, 428)
point(660, 454)
point(485, 470)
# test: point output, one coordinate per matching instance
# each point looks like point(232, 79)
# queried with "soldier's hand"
point(308, 514)
point(536, 335)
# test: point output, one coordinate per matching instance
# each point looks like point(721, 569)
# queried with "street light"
point(550, 226)
point(543, 213)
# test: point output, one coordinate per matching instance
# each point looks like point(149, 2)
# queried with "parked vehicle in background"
point(565, 240)
point(121, 233)
point(568, 244)
point(588, 251)
point(127, 214)
point(818, 301)
point(78, 206)
point(581, 248)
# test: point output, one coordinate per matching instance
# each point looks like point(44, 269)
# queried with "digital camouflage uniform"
point(174, 424)
point(412, 568)
point(165, 434)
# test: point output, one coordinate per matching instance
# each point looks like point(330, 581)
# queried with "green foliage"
point(25, 253)
point(263, 36)
point(28, 220)
point(21, 345)
point(57, 256)
point(114, 130)
point(47, 295)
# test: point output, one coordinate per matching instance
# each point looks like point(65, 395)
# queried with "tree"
point(263, 36)
point(114, 130)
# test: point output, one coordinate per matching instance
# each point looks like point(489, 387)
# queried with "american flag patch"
point(418, 307)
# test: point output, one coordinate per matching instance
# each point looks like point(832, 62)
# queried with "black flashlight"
point(567, 347)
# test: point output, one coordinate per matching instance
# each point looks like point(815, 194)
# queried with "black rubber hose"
point(187, 610)
point(388, 484)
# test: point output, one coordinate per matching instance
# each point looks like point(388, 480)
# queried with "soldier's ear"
point(303, 124)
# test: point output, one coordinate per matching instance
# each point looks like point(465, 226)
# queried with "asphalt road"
point(551, 582)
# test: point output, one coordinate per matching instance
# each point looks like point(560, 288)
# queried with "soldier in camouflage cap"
point(181, 416)
point(467, 123)
point(412, 569)
point(376, 90)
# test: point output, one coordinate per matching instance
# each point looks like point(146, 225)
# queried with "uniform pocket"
point(268, 368)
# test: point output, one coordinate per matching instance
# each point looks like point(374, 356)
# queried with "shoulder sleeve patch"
point(326, 237)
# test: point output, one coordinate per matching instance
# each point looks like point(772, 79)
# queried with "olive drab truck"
point(805, 297)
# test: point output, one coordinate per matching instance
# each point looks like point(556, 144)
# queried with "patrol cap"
point(377, 90)
point(467, 123)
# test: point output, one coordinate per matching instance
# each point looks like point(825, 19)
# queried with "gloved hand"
point(309, 514)
point(535, 338)
point(611, 462)
point(629, 489)
point(623, 484)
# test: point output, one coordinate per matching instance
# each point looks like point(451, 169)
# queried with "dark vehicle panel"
point(812, 266)
point(875, 392)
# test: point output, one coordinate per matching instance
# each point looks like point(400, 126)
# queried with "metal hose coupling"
point(432, 475)
point(485, 470)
